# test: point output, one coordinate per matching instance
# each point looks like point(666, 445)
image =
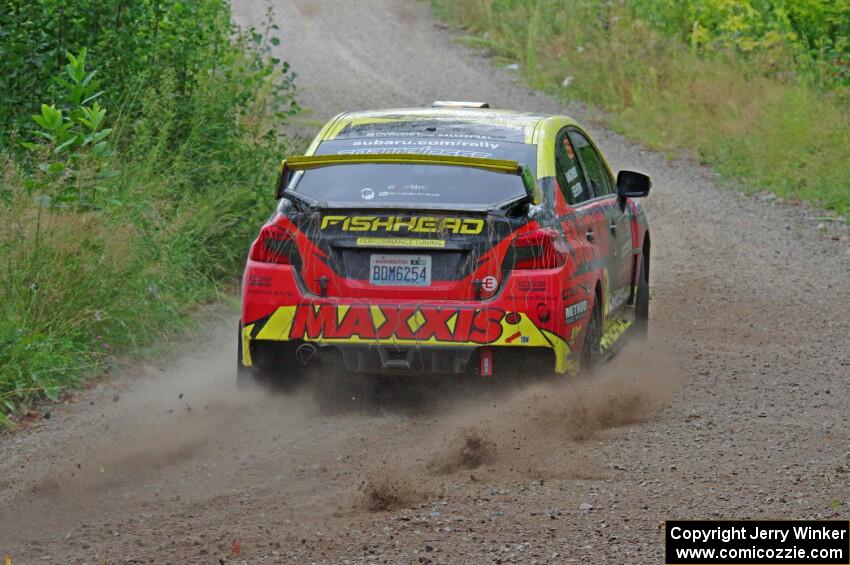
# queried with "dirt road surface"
point(738, 408)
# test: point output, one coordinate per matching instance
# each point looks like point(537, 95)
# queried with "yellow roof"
point(463, 123)
point(507, 125)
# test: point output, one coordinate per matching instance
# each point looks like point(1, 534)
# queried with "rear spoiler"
point(290, 165)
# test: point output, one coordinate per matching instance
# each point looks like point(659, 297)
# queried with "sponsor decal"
point(531, 286)
point(575, 290)
point(427, 142)
point(543, 313)
point(410, 224)
point(401, 322)
point(527, 298)
point(407, 190)
point(489, 283)
point(259, 280)
point(572, 175)
point(416, 151)
point(400, 242)
point(576, 312)
point(367, 194)
point(269, 292)
point(577, 190)
point(413, 325)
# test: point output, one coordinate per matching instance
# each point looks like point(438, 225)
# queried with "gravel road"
point(737, 408)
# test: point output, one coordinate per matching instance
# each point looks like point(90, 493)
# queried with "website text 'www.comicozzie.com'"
point(766, 542)
point(761, 553)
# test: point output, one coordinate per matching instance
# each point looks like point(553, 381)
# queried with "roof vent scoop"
point(458, 104)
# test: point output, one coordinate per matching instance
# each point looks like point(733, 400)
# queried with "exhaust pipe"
point(305, 353)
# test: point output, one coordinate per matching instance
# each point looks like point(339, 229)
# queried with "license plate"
point(404, 270)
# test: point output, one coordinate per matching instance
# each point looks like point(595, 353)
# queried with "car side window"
point(568, 172)
point(592, 163)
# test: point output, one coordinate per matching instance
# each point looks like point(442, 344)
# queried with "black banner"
point(768, 542)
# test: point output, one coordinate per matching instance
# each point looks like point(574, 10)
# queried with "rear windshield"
point(435, 187)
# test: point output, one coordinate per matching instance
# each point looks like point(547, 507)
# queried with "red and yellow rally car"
point(448, 239)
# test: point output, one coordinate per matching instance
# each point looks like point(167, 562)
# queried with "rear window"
point(434, 187)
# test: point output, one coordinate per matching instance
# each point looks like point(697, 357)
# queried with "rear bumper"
point(527, 315)
point(389, 338)
point(404, 360)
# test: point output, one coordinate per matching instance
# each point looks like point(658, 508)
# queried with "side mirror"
point(283, 179)
point(631, 184)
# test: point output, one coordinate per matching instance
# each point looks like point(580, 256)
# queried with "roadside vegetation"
point(138, 146)
point(760, 89)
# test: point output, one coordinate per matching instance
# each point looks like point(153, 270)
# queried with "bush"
point(127, 201)
point(815, 33)
point(752, 113)
point(134, 43)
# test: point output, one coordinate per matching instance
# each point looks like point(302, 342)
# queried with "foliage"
point(125, 202)
point(809, 37)
point(134, 43)
point(816, 33)
point(751, 113)
point(74, 151)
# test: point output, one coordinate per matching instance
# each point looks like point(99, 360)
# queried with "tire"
point(592, 350)
point(642, 299)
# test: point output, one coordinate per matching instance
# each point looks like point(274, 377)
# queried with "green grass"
point(754, 118)
point(80, 287)
point(106, 249)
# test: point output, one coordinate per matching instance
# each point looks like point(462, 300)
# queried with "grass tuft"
point(110, 237)
point(755, 116)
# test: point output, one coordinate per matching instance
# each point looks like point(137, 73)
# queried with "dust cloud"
point(540, 430)
point(186, 439)
point(173, 437)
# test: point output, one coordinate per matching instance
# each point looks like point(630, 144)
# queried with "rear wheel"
point(642, 298)
point(592, 350)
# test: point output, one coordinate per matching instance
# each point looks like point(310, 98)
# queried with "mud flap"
point(246, 345)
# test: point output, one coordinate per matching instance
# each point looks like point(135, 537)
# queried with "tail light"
point(539, 249)
point(274, 245)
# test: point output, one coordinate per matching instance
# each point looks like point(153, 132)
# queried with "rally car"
point(450, 239)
